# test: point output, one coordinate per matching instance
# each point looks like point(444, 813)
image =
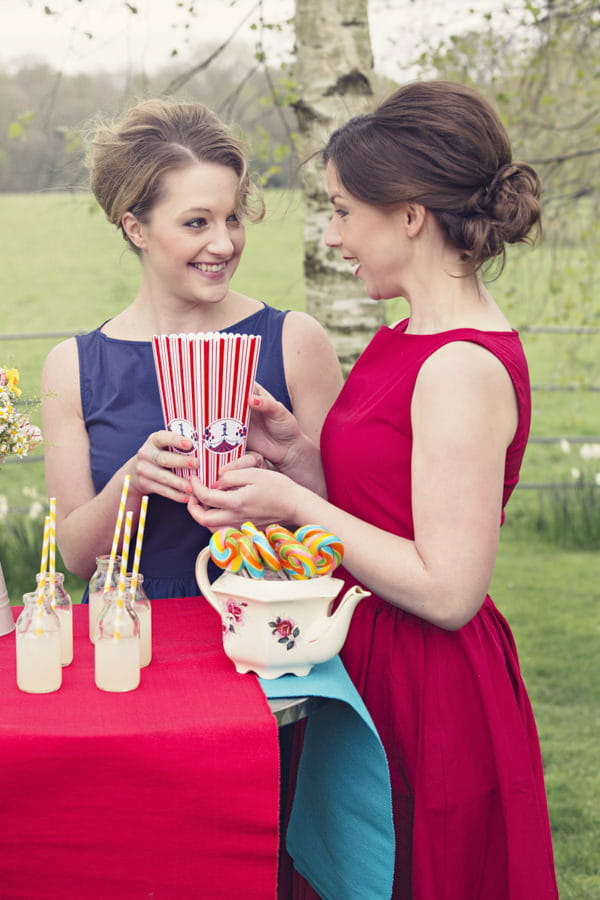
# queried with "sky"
point(88, 35)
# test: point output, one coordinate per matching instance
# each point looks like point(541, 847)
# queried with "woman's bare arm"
point(464, 416)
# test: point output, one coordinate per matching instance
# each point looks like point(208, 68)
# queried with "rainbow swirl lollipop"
point(251, 559)
point(327, 550)
point(277, 534)
point(224, 549)
point(306, 532)
point(296, 559)
point(261, 544)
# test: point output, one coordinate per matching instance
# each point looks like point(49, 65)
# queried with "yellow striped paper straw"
point(138, 546)
point(44, 558)
point(123, 572)
point(117, 534)
point(42, 579)
point(52, 551)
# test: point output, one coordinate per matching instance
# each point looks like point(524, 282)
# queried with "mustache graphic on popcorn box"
point(205, 381)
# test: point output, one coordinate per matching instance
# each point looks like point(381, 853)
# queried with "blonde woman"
point(174, 180)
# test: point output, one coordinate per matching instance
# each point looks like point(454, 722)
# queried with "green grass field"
point(64, 268)
point(552, 601)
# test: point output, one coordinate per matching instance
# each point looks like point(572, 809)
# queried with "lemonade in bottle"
point(117, 644)
point(39, 669)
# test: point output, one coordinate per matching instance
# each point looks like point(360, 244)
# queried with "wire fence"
point(36, 335)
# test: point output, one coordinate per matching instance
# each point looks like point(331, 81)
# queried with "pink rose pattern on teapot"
point(285, 631)
point(233, 616)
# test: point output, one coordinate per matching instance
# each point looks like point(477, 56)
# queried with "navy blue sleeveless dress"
point(121, 407)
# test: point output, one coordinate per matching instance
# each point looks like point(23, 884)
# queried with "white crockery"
point(278, 627)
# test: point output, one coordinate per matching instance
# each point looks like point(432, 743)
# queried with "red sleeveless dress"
point(451, 708)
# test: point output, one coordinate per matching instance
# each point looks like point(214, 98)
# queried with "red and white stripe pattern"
point(205, 381)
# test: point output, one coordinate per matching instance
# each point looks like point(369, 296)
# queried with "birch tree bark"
point(335, 81)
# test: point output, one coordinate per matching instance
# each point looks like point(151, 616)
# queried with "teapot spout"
point(332, 633)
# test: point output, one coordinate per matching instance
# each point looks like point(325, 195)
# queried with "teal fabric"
point(340, 834)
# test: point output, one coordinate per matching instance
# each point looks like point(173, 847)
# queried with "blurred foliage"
point(541, 70)
point(539, 63)
point(20, 553)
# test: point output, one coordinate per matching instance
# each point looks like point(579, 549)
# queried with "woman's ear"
point(134, 230)
point(414, 218)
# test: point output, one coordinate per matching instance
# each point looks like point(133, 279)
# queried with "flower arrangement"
point(17, 435)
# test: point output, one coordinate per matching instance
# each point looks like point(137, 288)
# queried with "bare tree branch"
point(226, 107)
point(563, 157)
point(182, 79)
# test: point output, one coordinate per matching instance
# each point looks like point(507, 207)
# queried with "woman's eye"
point(196, 223)
point(233, 218)
point(341, 213)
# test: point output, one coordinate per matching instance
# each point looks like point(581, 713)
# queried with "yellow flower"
point(17, 435)
point(12, 378)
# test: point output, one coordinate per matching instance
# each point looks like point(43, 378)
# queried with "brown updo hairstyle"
point(442, 145)
point(128, 158)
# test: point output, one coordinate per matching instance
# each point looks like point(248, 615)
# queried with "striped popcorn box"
point(205, 381)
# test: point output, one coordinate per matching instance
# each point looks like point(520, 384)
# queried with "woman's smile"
point(212, 268)
point(354, 262)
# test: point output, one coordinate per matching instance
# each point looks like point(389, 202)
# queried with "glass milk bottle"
point(141, 605)
point(117, 645)
point(96, 588)
point(60, 602)
point(39, 669)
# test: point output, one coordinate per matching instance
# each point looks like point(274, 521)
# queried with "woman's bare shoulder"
point(61, 366)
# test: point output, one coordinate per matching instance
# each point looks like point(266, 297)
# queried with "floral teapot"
point(278, 627)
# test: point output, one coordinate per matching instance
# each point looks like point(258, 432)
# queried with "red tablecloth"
point(167, 792)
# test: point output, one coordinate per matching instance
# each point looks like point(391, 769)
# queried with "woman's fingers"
point(250, 460)
point(174, 445)
point(163, 452)
point(262, 400)
point(258, 495)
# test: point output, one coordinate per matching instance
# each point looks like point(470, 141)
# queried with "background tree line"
point(539, 65)
point(42, 112)
point(542, 70)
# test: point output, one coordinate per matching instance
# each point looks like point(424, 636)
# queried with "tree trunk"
point(335, 80)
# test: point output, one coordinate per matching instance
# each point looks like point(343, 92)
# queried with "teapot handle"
point(202, 579)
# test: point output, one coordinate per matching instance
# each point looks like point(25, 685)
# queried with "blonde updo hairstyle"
point(128, 158)
point(442, 145)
